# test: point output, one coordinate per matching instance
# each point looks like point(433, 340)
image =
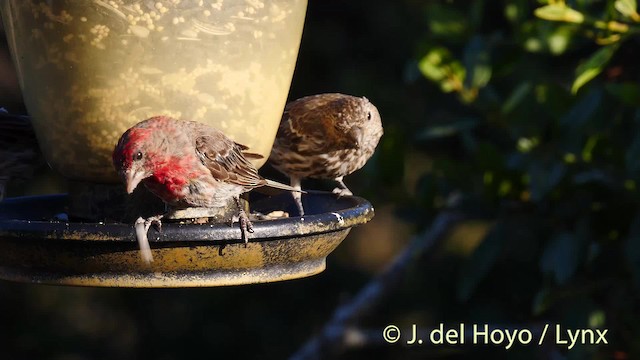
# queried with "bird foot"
point(153, 220)
point(342, 192)
point(245, 225)
point(142, 228)
point(299, 205)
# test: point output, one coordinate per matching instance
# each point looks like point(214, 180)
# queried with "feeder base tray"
point(36, 248)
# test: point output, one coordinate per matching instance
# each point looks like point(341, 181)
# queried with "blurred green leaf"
point(446, 21)
point(597, 319)
point(582, 111)
point(594, 176)
point(542, 301)
point(589, 146)
point(517, 96)
point(627, 93)
point(554, 98)
point(544, 178)
point(481, 261)
point(579, 116)
point(593, 66)
point(477, 63)
point(558, 40)
point(559, 12)
point(469, 141)
point(440, 66)
point(627, 8)
point(450, 129)
point(560, 257)
point(516, 10)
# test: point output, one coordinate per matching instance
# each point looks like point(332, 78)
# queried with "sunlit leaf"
point(558, 40)
point(440, 66)
point(593, 66)
point(627, 8)
point(559, 12)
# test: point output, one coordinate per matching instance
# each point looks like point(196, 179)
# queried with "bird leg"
point(243, 220)
point(297, 195)
point(342, 190)
point(142, 228)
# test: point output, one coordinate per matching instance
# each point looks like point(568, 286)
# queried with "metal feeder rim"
point(360, 211)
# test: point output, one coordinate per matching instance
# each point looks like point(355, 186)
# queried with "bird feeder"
point(91, 69)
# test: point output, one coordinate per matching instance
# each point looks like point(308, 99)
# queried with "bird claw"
point(342, 192)
point(245, 224)
point(342, 189)
point(142, 228)
point(153, 220)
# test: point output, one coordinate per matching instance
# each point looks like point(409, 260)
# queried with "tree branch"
point(337, 333)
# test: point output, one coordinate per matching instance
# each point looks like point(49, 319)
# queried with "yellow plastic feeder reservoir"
point(91, 69)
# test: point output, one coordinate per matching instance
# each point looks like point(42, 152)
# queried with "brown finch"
point(187, 164)
point(20, 154)
point(326, 136)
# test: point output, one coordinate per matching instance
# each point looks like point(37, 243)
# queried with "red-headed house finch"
point(20, 154)
point(187, 164)
point(326, 136)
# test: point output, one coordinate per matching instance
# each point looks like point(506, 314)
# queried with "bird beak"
point(132, 179)
point(355, 138)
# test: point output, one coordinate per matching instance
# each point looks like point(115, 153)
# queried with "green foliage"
point(628, 8)
point(559, 12)
point(544, 137)
point(593, 66)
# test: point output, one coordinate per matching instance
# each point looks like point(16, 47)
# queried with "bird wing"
point(226, 160)
point(308, 124)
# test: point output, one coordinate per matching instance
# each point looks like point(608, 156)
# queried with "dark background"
point(480, 118)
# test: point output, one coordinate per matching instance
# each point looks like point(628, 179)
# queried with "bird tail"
point(277, 185)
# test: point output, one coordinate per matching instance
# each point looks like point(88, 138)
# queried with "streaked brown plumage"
point(20, 154)
point(326, 136)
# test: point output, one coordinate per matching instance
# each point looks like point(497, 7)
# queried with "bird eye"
point(137, 156)
point(369, 115)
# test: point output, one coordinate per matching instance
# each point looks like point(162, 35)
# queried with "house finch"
point(20, 154)
point(325, 136)
point(187, 164)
